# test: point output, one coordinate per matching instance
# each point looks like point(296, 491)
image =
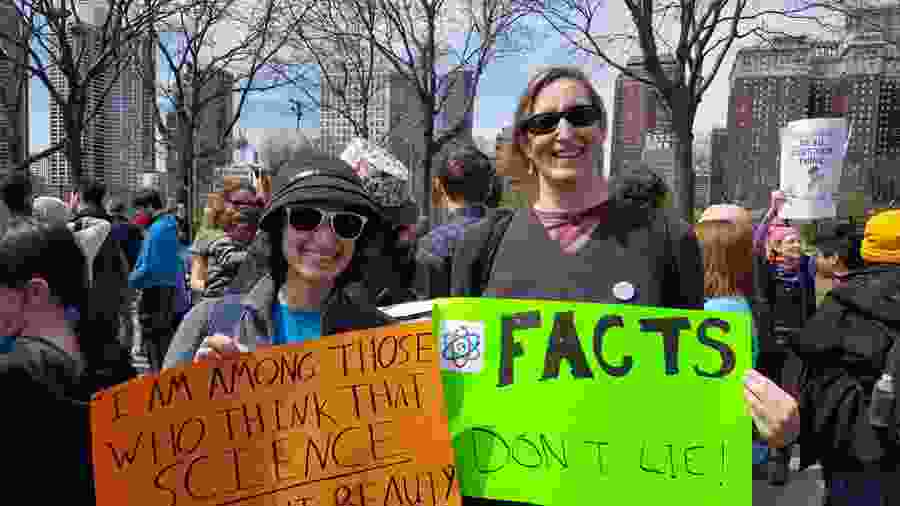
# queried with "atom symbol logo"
point(461, 346)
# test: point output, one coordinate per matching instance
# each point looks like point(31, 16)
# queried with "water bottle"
point(881, 409)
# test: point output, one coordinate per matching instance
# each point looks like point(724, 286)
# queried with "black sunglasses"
point(345, 224)
point(547, 122)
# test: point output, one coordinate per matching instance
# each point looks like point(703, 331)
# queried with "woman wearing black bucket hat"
point(317, 225)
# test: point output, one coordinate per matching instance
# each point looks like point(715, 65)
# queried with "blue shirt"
point(735, 305)
point(160, 262)
point(6, 343)
point(295, 326)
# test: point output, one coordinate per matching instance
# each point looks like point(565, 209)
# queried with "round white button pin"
point(624, 291)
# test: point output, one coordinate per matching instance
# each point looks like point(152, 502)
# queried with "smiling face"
point(242, 209)
point(791, 246)
point(565, 155)
point(317, 256)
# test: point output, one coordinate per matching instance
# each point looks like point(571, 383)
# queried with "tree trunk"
point(74, 149)
point(187, 175)
point(429, 145)
point(685, 180)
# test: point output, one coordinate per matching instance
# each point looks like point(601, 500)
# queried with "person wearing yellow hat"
point(849, 414)
point(881, 240)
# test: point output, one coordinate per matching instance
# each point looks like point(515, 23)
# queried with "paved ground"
point(805, 488)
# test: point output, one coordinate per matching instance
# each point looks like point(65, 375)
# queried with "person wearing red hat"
point(142, 219)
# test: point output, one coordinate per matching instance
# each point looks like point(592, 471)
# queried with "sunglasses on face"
point(546, 122)
point(345, 224)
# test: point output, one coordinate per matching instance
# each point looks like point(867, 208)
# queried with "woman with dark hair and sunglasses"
point(591, 243)
point(51, 358)
point(318, 224)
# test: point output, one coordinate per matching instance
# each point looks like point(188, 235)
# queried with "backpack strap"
point(499, 220)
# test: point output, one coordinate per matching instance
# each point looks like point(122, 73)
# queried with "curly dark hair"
point(640, 186)
point(16, 189)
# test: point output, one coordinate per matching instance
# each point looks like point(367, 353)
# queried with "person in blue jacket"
point(158, 272)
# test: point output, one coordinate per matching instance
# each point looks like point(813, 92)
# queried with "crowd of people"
point(321, 247)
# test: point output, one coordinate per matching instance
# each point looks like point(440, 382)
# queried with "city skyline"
point(494, 104)
point(495, 98)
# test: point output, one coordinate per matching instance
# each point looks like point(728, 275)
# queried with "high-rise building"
point(857, 78)
point(642, 127)
point(394, 115)
point(718, 160)
point(14, 90)
point(211, 147)
point(117, 140)
point(41, 168)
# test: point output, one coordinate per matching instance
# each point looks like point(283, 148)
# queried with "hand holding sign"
point(812, 156)
point(219, 347)
point(553, 402)
point(774, 411)
point(347, 420)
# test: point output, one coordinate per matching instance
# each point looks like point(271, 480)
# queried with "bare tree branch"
point(54, 39)
point(703, 34)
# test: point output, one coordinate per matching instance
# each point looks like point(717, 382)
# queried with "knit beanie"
point(881, 240)
point(142, 219)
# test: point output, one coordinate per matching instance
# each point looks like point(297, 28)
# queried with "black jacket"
point(434, 251)
point(130, 237)
point(253, 314)
point(109, 363)
point(47, 412)
point(843, 348)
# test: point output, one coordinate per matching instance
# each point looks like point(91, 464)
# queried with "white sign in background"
point(812, 159)
point(377, 157)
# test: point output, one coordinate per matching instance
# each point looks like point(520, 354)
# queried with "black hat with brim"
point(324, 180)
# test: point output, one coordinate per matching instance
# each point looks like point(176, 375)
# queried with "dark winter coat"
point(843, 349)
point(46, 424)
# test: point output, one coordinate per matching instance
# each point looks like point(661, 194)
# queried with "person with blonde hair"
point(236, 209)
point(727, 267)
point(216, 217)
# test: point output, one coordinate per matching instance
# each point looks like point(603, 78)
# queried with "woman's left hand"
point(775, 412)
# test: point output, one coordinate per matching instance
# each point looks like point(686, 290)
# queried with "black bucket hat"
point(321, 179)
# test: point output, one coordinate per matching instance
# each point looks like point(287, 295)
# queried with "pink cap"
point(725, 212)
point(782, 232)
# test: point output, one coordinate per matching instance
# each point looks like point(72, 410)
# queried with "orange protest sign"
point(349, 420)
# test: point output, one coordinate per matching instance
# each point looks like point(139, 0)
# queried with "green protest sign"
point(558, 403)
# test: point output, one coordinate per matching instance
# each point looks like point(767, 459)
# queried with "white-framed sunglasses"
point(346, 225)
